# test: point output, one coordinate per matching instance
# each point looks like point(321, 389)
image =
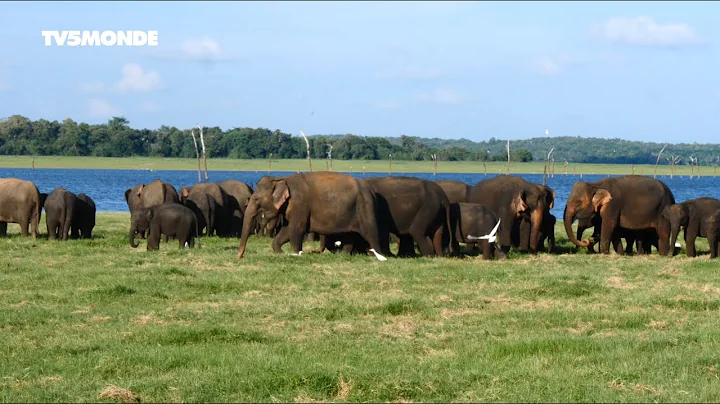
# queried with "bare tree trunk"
point(307, 147)
point(390, 166)
point(658, 159)
point(197, 154)
point(485, 169)
point(508, 153)
point(202, 142)
point(270, 164)
point(545, 174)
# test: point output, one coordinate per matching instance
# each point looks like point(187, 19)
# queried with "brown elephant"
point(222, 205)
point(712, 224)
point(59, 210)
point(19, 203)
point(411, 206)
point(146, 195)
point(469, 221)
point(456, 191)
point(238, 196)
point(690, 216)
point(631, 202)
point(83, 217)
point(516, 202)
point(168, 219)
point(322, 202)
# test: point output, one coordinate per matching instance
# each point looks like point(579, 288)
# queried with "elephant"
point(631, 202)
point(456, 191)
point(59, 208)
point(548, 233)
point(147, 195)
point(521, 234)
point(712, 225)
point(323, 202)
point(642, 239)
point(411, 206)
point(238, 195)
point(20, 203)
point(204, 207)
point(472, 219)
point(83, 221)
point(519, 204)
point(690, 216)
point(222, 204)
point(349, 243)
point(170, 219)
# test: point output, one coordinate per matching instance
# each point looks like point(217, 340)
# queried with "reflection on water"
point(107, 187)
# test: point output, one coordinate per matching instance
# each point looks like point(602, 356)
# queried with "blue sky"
point(635, 70)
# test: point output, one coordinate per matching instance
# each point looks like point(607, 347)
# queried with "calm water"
point(107, 187)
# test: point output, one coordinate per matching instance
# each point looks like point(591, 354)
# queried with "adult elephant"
point(323, 202)
point(59, 210)
point(238, 195)
point(222, 204)
point(631, 202)
point(147, 195)
point(19, 203)
point(516, 202)
point(456, 191)
point(690, 216)
point(204, 207)
point(642, 240)
point(411, 206)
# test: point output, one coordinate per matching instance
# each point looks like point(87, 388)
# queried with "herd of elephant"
point(356, 215)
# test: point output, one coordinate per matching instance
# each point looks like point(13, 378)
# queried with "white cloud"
point(201, 49)
point(149, 106)
point(134, 79)
point(91, 87)
point(443, 95)
point(100, 108)
point(645, 31)
point(552, 64)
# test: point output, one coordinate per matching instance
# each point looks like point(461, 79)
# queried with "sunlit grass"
point(357, 166)
point(96, 320)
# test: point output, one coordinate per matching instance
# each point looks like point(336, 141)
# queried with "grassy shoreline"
point(356, 166)
point(96, 320)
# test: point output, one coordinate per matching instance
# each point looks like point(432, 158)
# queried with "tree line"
point(22, 136)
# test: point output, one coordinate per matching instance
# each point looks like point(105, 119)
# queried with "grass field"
point(143, 163)
point(96, 320)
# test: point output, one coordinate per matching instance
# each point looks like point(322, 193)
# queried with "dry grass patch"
point(113, 392)
point(400, 327)
point(618, 282)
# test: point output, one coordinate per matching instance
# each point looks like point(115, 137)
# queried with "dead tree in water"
point(307, 147)
point(329, 154)
point(508, 153)
point(658, 159)
point(197, 154)
point(390, 162)
point(434, 159)
point(202, 142)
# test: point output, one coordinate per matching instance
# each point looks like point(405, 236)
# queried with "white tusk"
point(379, 257)
point(489, 237)
point(338, 243)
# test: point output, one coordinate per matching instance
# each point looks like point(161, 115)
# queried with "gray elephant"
point(456, 191)
point(521, 206)
point(204, 207)
point(169, 219)
point(222, 221)
point(146, 195)
point(470, 221)
point(690, 216)
point(548, 233)
point(712, 225)
point(19, 203)
point(322, 202)
point(83, 221)
point(631, 202)
point(238, 196)
point(59, 210)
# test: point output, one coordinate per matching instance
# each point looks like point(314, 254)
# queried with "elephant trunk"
point(250, 213)
point(536, 219)
point(133, 244)
point(674, 231)
point(568, 218)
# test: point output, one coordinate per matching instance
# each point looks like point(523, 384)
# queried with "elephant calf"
point(712, 224)
point(475, 220)
point(59, 209)
point(547, 232)
point(170, 219)
point(83, 217)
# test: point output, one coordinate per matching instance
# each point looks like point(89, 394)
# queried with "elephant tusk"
point(379, 257)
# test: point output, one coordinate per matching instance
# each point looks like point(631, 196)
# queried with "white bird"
point(297, 255)
point(489, 237)
point(678, 245)
point(338, 243)
point(379, 257)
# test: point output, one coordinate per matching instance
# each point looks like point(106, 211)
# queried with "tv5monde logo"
point(100, 38)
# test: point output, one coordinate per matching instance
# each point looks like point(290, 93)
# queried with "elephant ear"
point(280, 194)
point(139, 192)
point(518, 204)
point(184, 192)
point(601, 197)
point(550, 198)
point(127, 194)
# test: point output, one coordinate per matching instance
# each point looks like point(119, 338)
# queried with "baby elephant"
point(471, 223)
point(170, 219)
point(547, 232)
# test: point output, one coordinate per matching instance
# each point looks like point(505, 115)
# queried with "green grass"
point(96, 320)
point(357, 166)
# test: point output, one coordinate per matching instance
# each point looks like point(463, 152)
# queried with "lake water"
point(107, 187)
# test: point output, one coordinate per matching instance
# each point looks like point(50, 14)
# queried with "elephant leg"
point(406, 246)
point(691, 233)
point(437, 241)
point(24, 227)
point(606, 235)
point(297, 235)
point(499, 254)
point(487, 252)
point(713, 241)
point(663, 232)
point(3, 229)
point(166, 238)
point(280, 239)
point(524, 236)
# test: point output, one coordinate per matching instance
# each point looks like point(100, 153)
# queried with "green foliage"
point(116, 138)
